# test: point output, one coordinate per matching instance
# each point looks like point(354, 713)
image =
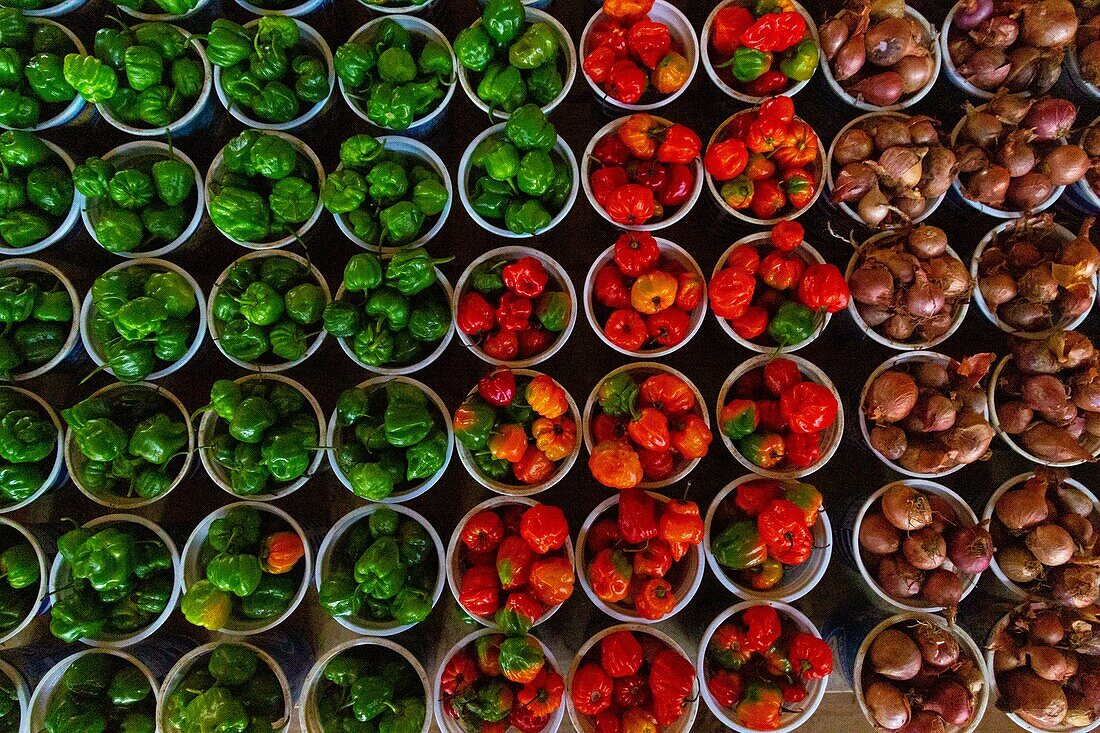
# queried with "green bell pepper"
point(473, 48)
point(503, 20)
point(537, 46)
point(792, 324)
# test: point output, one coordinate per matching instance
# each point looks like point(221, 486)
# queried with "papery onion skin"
point(1050, 544)
point(892, 396)
point(1053, 444)
point(877, 536)
point(997, 288)
point(905, 507)
point(888, 706)
point(1027, 694)
point(938, 646)
point(1075, 586)
point(1013, 417)
point(1050, 663)
point(970, 548)
point(1051, 118)
point(1018, 564)
point(949, 699)
point(942, 587)
point(1066, 164)
point(970, 13)
point(899, 579)
point(925, 549)
point(1048, 23)
point(1025, 507)
point(881, 90)
point(895, 655)
point(889, 440)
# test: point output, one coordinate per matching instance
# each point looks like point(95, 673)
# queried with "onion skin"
point(938, 646)
point(1025, 507)
point(1066, 164)
point(889, 707)
point(1075, 586)
point(872, 284)
point(1048, 23)
point(970, 548)
point(971, 13)
point(853, 146)
point(891, 398)
point(832, 34)
point(850, 58)
point(889, 440)
point(931, 375)
point(989, 185)
point(888, 42)
point(927, 241)
point(1051, 118)
point(1027, 694)
point(915, 72)
point(898, 579)
point(881, 90)
point(1029, 190)
point(1050, 663)
point(1050, 544)
point(942, 587)
point(969, 438)
point(1018, 564)
point(895, 655)
point(1053, 444)
point(950, 700)
point(997, 288)
point(1014, 417)
point(877, 536)
point(986, 68)
point(1046, 628)
point(853, 182)
point(999, 31)
point(925, 549)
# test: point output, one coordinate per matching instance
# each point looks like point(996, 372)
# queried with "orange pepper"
point(668, 393)
point(691, 437)
point(760, 707)
point(671, 73)
point(551, 580)
point(654, 599)
point(533, 467)
point(508, 443)
point(615, 465)
point(653, 292)
point(639, 720)
point(281, 551)
point(555, 437)
point(542, 695)
point(546, 397)
point(641, 134)
point(623, 8)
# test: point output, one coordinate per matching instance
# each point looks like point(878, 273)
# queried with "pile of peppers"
point(645, 432)
point(518, 429)
point(264, 436)
point(384, 197)
point(764, 530)
point(266, 190)
point(263, 306)
point(633, 682)
point(144, 318)
point(627, 54)
point(382, 571)
point(28, 445)
point(153, 7)
point(766, 160)
point(19, 590)
point(643, 172)
point(776, 418)
point(101, 692)
point(10, 714)
point(36, 191)
point(235, 690)
point(390, 438)
point(634, 557)
point(513, 309)
point(32, 56)
point(268, 68)
point(392, 314)
point(133, 440)
point(147, 76)
point(37, 314)
point(774, 295)
point(513, 565)
point(516, 178)
point(121, 578)
point(249, 563)
point(759, 664)
point(371, 688)
point(511, 60)
point(648, 298)
point(500, 682)
point(142, 206)
point(763, 47)
point(394, 76)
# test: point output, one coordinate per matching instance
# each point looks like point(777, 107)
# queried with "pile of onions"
point(1087, 46)
point(918, 677)
point(890, 168)
point(1046, 660)
point(1090, 143)
point(1010, 153)
point(929, 417)
point(1033, 279)
point(1017, 44)
point(907, 286)
point(877, 52)
point(918, 547)
point(1048, 397)
point(1046, 533)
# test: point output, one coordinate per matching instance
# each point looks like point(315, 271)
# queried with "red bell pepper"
point(513, 312)
point(631, 204)
point(609, 150)
point(782, 526)
point(780, 375)
point(637, 516)
point(763, 449)
point(526, 277)
point(752, 323)
point(803, 449)
point(649, 429)
point(610, 290)
point(544, 528)
point(654, 599)
point(780, 271)
point(636, 253)
point(605, 427)
point(775, 31)
point(781, 108)
point(483, 531)
point(691, 437)
point(669, 327)
point(615, 464)
point(475, 315)
point(631, 691)
point(729, 24)
point(767, 199)
point(648, 41)
point(534, 341)
point(626, 82)
point(671, 677)
point(823, 288)
point(605, 180)
point(766, 134)
point(653, 175)
point(501, 345)
point(668, 393)
point(459, 674)
point(552, 580)
point(731, 292)
point(725, 687)
point(759, 167)
point(518, 614)
point(654, 560)
point(760, 706)
point(689, 294)
point(726, 160)
point(591, 690)
point(771, 417)
point(745, 258)
point(609, 575)
point(534, 467)
point(811, 657)
point(753, 497)
point(498, 387)
point(621, 654)
point(626, 329)
point(763, 627)
point(604, 533)
point(608, 31)
point(787, 235)
point(727, 647)
point(799, 186)
point(769, 82)
point(679, 182)
point(656, 465)
point(800, 145)
point(680, 145)
point(480, 590)
point(808, 407)
point(680, 525)
point(598, 63)
point(508, 442)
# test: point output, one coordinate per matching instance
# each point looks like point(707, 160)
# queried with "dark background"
point(842, 351)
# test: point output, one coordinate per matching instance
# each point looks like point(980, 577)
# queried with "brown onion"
point(935, 412)
point(968, 439)
point(927, 241)
point(924, 130)
point(1018, 564)
point(889, 440)
point(970, 548)
point(889, 132)
point(938, 646)
point(891, 398)
point(924, 298)
point(850, 58)
point(874, 207)
point(1025, 315)
point(1038, 285)
point(906, 508)
point(942, 587)
point(1009, 108)
point(889, 708)
point(899, 327)
point(1048, 23)
point(989, 185)
point(1016, 153)
point(997, 288)
point(1066, 164)
point(999, 31)
point(938, 169)
point(970, 158)
point(832, 34)
point(1075, 586)
point(1050, 663)
point(1053, 444)
point(986, 68)
point(1073, 301)
point(1014, 417)
point(950, 275)
point(951, 700)
point(853, 182)
point(1051, 118)
point(889, 41)
point(881, 90)
point(872, 283)
point(874, 315)
point(895, 655)
point(931, 374)
point(1025, 507)
point(877, 536)
point(1029, 190)
point(1046, 628)
point(925, 549)
point(1027, 694)
point(1080, 253)
point(853, 146)
point(1050, 544)
point(897, 578)
point(981, 127)
point(915, 72)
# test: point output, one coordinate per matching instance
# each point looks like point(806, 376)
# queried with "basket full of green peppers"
point(388, 193)
point(128, 445)
point(144, 199)
point(34, 94)
point(31, 459)
point(245, 569)
point(143, 320)
point(114, 581)
point(231, 685)
point(166, 10)
point(397, 73)
point(38, 206)
point(151, 79)
point(391, 439)
point(14, 698)
point(262, 189)
point(95, 690)
point(38, 308)
point(366, 678)
point(514, 55)
point(392, 318)
point(273, 73)
point(266, 309)
point(380, 570)
point(518, 178)
point(23, 585)
point(262, 436)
